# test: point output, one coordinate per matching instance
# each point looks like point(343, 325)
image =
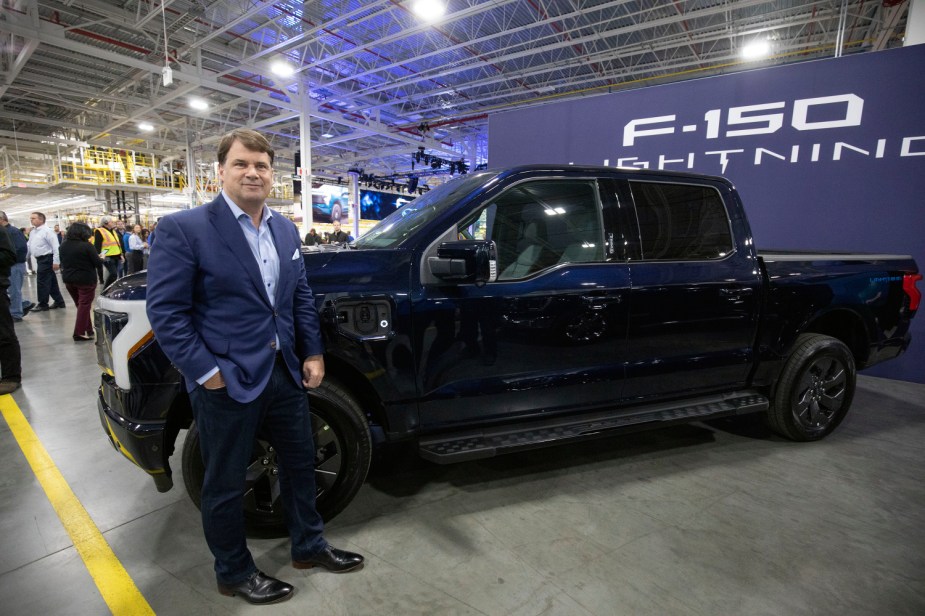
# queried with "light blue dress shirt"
point(261, 244)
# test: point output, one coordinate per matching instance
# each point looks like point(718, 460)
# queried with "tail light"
point(915, 296)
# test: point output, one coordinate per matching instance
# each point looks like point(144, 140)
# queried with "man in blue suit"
point(230, 305)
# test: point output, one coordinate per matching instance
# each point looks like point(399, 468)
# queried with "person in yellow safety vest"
point(110, 249)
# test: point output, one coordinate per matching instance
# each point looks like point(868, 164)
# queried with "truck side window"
point(477, 229)
point(539, 224)
point(681, 222)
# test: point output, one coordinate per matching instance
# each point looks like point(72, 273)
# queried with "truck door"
point(541, 338)
point(695, 296)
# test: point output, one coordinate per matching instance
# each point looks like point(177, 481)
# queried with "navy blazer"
point(208, 307)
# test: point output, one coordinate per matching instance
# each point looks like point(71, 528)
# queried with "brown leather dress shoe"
point(332, 559)
point(259, 589)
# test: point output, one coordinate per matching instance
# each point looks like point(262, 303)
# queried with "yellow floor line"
point(117, 588)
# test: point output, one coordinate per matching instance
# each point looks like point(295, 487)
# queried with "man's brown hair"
point(249, 138)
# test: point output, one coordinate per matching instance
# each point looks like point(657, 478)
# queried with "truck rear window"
point(681, 222)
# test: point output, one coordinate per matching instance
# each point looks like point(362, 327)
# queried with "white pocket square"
point(296, 254)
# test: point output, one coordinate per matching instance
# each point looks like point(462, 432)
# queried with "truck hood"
point(357, 271)
point(330, 270)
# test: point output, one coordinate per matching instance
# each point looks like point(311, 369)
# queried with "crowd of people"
point(83, 256)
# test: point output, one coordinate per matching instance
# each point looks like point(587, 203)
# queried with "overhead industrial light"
point(327, 135)
point(281, 68)
point(146, 127)
point(756, 50)
point(429, 10)
point(198, 104)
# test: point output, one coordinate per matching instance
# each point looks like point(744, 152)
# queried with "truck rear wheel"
point(342, 456)
point(815, 389)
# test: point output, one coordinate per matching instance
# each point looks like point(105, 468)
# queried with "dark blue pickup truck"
point(535, 306)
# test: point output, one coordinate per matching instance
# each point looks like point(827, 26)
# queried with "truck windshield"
point(401, 223)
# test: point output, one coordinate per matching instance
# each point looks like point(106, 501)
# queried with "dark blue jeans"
point(17, 275)
point(227, 429)
point(46, 281)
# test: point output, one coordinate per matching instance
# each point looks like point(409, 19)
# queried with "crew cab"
point(535, 306)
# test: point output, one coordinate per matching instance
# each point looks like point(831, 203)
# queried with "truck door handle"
point(599, 302)
point(736, 294)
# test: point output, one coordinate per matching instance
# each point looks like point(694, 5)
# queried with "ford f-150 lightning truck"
point(534, 306)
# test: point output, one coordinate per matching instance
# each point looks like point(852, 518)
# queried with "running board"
point(473, 445)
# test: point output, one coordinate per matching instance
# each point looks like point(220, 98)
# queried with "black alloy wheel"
point(342, 456)
point(815, 389)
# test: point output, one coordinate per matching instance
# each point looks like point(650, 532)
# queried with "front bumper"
point(142, 443)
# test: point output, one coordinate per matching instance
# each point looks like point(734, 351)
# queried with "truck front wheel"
point(815, 389)
point(342, 456)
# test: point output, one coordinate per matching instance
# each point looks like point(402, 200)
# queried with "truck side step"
point(473, 445)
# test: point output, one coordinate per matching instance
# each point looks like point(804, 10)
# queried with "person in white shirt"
point(136, 255)
point(43, 246)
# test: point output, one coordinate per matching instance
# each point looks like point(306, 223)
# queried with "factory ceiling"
point(376, 81)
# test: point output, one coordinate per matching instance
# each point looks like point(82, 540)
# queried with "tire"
point(815, 389)
point(342, 454)
point(336, 212)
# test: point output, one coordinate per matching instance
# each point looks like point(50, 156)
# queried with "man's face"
point(246, 176)
point(57, 228)
point(137, 229)
point(120, 224)
point(336, 226)
point(36, 221)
